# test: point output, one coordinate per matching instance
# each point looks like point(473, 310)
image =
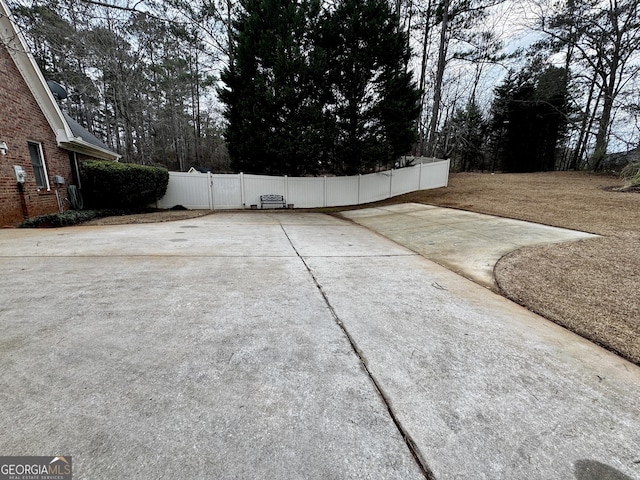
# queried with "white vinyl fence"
point(212, 191)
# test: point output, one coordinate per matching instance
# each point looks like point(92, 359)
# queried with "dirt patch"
point(153, 217)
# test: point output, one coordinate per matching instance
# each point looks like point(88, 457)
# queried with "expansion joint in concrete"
point(411, 445)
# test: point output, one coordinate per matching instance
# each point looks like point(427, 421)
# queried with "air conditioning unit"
point(58, 180)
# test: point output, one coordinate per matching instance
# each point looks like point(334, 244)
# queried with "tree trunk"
point(582, 135)
point(600, 149)
point(602, 137)
point(437, 89)
point(423, 72)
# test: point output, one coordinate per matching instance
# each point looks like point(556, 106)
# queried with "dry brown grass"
point(591, 287)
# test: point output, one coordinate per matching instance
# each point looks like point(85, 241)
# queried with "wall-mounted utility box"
point(58, 180)
point(21, 175)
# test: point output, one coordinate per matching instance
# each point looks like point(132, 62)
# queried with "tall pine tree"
point(309, 90)
point(269, 111)
point(375, 102)
point(529, 117)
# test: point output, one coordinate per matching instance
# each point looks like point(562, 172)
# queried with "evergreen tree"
point(308, 91)
point(269, 109)
point(529, 117)
point(375, 100)
point(132, 79)
point(467, 138)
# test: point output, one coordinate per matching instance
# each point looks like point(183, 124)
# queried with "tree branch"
point(126, 9)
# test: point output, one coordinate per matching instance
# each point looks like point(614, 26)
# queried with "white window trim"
point(44, 165)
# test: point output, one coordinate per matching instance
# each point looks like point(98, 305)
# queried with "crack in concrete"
point(411, 445)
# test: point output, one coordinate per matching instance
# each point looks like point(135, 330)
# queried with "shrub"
point(631, 175)
point(65, 219)
point(121, 185)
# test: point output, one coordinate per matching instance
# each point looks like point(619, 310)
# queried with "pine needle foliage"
point(314, 90)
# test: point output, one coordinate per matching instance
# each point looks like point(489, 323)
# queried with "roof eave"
point(78, 145)
point(26, 63)
point(24, 60)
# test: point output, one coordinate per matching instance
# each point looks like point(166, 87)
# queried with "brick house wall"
point(22, 121)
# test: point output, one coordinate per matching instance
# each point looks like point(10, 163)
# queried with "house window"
point(39, 167)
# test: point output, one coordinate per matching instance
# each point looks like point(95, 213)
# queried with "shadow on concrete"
point(593, 470)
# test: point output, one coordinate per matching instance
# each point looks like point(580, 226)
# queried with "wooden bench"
point(272, 200)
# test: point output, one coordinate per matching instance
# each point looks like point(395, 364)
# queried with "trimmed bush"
point(121, 185)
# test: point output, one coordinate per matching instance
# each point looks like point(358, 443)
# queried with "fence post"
point(242, 195)
point(211, 204)
point(390, 184)
point(286, 189)
point(324, 191)
point(446, 181)
point(420, 177)
point(359, 176)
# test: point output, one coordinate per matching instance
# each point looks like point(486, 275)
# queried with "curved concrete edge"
point(467, 243)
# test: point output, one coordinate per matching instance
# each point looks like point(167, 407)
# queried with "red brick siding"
point(21, 120)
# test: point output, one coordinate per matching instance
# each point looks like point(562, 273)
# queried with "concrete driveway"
point(286, 346)
point(467, 243)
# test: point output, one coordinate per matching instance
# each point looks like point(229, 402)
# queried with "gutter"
point(78, 145)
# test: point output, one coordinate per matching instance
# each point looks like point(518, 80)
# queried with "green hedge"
point(121, 185)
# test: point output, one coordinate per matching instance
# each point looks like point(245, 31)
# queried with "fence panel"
point(187, 189)
point(256, 185)
point(405, 180)
point(305, 192)
point(341, 191)
point(434, 175)
point(207, 191)
point(375, 186)
point(227, 191)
